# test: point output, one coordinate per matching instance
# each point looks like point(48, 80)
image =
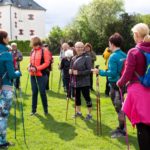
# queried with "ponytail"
point(146, 38)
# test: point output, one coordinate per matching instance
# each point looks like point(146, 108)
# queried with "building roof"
point(24, 4)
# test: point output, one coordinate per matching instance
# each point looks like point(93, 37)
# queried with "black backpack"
point(48, 68)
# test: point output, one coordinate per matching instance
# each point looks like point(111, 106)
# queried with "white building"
point(22, 19)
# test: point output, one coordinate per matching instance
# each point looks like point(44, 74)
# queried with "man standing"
point(17, 57)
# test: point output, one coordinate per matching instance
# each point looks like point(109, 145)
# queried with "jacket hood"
point(145, 46)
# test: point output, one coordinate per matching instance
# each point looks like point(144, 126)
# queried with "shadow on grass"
point(56, 95)
point(64, 130)
point(106, 132)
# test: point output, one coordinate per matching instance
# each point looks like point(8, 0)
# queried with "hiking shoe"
point(119, 133)
point(88, 117)
point(6, 145)
point(78, 114)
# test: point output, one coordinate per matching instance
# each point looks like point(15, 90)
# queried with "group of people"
point(77, 69)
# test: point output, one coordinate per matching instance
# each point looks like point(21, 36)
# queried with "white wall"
point(38, 24)
point(5, 19)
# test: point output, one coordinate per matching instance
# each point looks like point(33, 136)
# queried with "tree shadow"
point(64, 130)
point(106, 132)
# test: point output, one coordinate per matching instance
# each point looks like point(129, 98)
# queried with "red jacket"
point(35, 60)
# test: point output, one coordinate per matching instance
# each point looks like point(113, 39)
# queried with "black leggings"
point(143, 134)
point(86, 94)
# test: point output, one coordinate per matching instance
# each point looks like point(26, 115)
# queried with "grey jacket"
point(83, 64)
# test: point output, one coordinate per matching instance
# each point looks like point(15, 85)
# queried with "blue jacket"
point(115, 65)
point(6, 66)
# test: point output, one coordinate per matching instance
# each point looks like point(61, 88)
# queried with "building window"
point(0, 14)
point(0, 26)
point(31, 17)
point(20, 32)
point(31, 32)
point(16, 37)
point(15, 15)
point(15, 24)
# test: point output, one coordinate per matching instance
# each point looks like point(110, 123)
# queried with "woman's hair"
point(88, 45)
point(116, 39)
point(143, 30)
point(3, 35)
point(35, 41)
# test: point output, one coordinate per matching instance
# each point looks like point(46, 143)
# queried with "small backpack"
point(145, 79)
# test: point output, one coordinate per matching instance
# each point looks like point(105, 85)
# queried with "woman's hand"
point(75, 72)
point(95, 71)
point(70, 71)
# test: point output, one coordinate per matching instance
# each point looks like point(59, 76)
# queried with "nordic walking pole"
point(125, 123)
point(15, 101)
point(22, 114)
point(27, 84)
point(51, 76)
point(99, 126)
point(59, 85)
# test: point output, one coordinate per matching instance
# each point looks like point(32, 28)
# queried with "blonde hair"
point(143, 30)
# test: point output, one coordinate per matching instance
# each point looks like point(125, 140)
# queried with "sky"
point(61, 12)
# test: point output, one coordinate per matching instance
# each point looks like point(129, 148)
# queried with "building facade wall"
point(22, 23)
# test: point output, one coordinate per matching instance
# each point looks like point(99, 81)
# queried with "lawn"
point(53, 132)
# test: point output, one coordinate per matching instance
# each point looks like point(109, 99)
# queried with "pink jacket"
point(137, 103)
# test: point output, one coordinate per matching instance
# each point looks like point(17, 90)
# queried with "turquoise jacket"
point(6, 66)
point(115, 65)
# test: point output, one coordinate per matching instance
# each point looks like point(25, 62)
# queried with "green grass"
point(54, 133)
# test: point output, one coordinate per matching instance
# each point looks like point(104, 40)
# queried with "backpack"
point(48, 68)
point(145, 79)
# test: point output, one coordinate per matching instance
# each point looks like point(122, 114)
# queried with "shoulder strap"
point(42, 57)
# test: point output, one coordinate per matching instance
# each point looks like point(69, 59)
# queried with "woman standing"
point(81, 70)
point(7, 73)
point(137, 103)
point(39, 61)
point(88, 49)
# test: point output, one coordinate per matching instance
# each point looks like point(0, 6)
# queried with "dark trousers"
point(143, 134)
point(86, 94)
point(41, 81)
point(91, 81)
point(107, 88)
point(17, 83)
point(47, 84)
point(116, 100)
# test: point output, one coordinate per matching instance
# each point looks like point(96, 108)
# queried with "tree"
point(103, 12)
point(55, 38)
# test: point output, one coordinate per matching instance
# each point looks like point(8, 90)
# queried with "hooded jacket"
point(83, 65)
point(6, 66)
point(135, 62)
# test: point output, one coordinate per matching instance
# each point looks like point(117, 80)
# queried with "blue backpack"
point(145, 79)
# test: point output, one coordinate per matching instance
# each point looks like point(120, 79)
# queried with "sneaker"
point(33, 113)
point(119, 133)
point(6, 145)
point(88, 117)
point(78, 114)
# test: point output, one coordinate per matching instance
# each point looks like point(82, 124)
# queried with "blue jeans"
point(5, 105)
point(41, 81)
